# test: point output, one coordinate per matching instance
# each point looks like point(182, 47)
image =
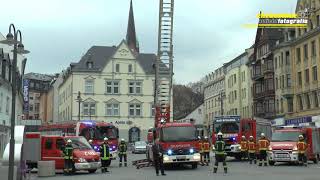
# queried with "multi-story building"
point(263, 72)
point(238, 83)
point(305, 64)
point(214, 95)
point(39, 85)
point(116, 84)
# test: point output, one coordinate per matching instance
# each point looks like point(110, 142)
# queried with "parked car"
point(139, 147)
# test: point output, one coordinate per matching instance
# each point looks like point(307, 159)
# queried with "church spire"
point(131, 32)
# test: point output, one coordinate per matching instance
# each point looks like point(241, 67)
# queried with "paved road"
point(237, 170)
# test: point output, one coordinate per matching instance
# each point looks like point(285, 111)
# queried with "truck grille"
point(180, 152)
point(92, 160)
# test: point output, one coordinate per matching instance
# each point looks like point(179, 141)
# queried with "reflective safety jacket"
point(301, 146)
point(244, 145)
point(104, 151)
point(201, 146)
point(219, 147)
point(263, 144)
point(68, 152)
point(206, 146)
point(251, 147)
point(123, 148)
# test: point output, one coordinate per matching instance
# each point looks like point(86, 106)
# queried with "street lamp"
point(18, 47)
point(79, 99)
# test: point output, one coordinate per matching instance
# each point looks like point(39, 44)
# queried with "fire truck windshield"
point(285, 136)
point(107, 131)
point(227, 127)
point(173, 134)
point(80, 143)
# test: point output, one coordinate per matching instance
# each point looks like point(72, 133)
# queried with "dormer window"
point(89, 65)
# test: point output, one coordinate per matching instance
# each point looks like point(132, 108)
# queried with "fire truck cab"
point(179, 144)
point(283, 145)
point(49, 148)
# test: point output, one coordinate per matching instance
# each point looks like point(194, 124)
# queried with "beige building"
point(116, 85)
point(238, 83)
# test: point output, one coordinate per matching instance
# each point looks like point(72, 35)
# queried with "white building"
point(116, 85)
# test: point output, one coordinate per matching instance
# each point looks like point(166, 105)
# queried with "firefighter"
point(206, 151)
point(157, 156)
point(302, 147)
point(220, 154)
point(252, 150)
point(104, 155)
point(201, 150)
point(263, 144)
point(68, 157)
point(91, 143)
point(244, 147)
point(123, 152)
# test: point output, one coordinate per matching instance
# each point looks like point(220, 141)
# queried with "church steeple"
point(131, 37)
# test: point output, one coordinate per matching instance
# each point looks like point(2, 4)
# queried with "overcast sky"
point(207, 33)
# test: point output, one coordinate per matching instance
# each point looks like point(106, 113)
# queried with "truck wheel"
point(315, 160)
point(194, 165)
point(91, 171)
point(271, 163)
point(108, 163)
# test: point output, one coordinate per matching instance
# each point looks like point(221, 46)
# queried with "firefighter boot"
point(225, 170)
point(102, 170)
point(265, 163)
point(120, 164)
point(215, 170)
point(106, 170)
point(255, 161)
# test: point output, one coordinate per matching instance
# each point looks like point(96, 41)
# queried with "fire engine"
point(49, 148)
point(233, 128)
point(90, 130)
point(283, 145)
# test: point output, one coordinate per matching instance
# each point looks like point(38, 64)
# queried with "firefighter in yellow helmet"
point(68, 157)
point(302, 147)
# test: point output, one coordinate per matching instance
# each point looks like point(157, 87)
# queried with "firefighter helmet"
point(300, 136)
point(90, 141)
point(105, 139)
point(122, 140)
point(69, 141)
point(199, 137)
point(220, 134)
point(243, 137)
point(262, 135)
point(251, 137)
point(206, 137)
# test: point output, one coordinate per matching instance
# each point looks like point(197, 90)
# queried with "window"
point(60, 143)
point(281, 61)
point(130, 68)
point(316, 100)
point(287, 58)
point(135, 87)
point(135, 110)
point(31, 107)
point(290, 104)
point(277, 83)
point(235, 95)
point(89, 65)
point(318, 20)
point(305, 50)
point(314, 73)
point(288, 80)
point(308, 101)
point(271, 106)
point(48, 143)
point(7, 105)
point(235, 79)
point(117, 67)
point(36, 107)
point(275, 62)
point(307, 75)
point(89, 108)
point(112, 109)
point(153, 110)
point(89, 85)
point(298, 54)
point(112, 87)
point(281, 105)
point(299, 79)
point(31, 97)
point(277, 106)
point(300, 102)
point(313, 48)
point(269, 83)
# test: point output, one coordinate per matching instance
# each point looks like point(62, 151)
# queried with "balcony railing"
point(287, 92)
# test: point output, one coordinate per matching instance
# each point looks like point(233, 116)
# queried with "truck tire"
point(194, 166)
point(271, 163)
point(315, 160)
point(91, 171)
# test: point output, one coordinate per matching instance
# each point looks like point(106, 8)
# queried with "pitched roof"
point(131, 37)
point(37, 76)
point(101, 55)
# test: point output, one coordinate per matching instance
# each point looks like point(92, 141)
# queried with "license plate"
point(282, 156)
point(181, 157)
point(85, 166)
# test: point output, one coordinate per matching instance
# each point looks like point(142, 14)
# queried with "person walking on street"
point(244, 147)
point(123, 153)
point(104, 155)
point(201, 150)
point(68, 158)
point(263, 144)
point(302, 147)
point(157, 156)
point(252, 150)
point(206, 151)
point(220, 154)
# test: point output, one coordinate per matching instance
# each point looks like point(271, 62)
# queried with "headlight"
point(295, 148)
point(82, 160)
point(270, 148)
point(169, 152)
point(239, 147)
point(165, 158)
point(196, 156)
point(191, 150)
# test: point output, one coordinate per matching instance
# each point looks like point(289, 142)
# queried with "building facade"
point(116, 85)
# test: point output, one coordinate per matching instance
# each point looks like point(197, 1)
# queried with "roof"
point(101, 55)
point(37, 76)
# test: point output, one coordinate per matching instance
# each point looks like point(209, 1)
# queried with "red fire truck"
point(90, 130)
point(283, 145)
point(233, 128)
point(49, 148)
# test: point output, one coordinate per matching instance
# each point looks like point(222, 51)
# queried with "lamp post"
point(12, 39)
point(79, 99)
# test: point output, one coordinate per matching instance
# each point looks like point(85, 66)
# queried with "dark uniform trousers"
point(68, 159)
point(105, 157)
point(252, 157)
point(123, 154)
point(263, 157)
point(302, 158)
point(158, 159)
point(220, 158)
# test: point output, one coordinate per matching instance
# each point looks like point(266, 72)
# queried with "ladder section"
point(164, 64)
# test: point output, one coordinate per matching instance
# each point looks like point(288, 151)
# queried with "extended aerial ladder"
point(163, 69)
